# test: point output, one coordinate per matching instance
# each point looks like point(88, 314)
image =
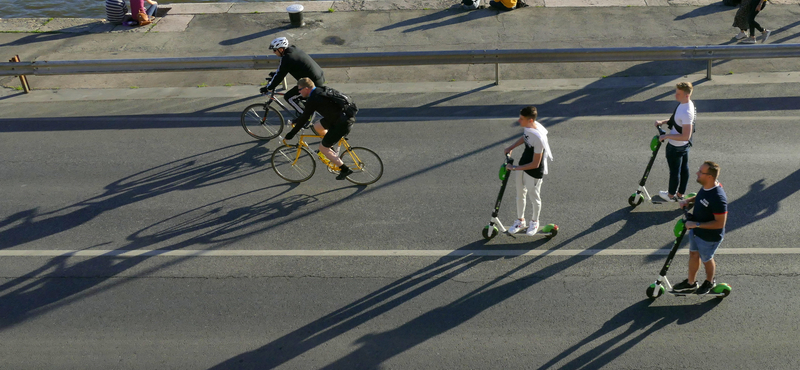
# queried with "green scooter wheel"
point(723, 289)
point(551, 230)
point(490, 232)
point(633, 201)
point(652, 293)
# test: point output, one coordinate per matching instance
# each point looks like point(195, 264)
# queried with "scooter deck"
point(684, 294)
point(552, 231)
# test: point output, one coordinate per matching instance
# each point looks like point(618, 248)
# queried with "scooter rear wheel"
point(490, 232)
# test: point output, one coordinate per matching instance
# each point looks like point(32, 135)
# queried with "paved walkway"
point(195, 30)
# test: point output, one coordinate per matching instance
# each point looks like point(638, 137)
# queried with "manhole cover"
point(333, 40)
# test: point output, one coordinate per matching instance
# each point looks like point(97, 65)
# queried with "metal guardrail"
point(497, 57)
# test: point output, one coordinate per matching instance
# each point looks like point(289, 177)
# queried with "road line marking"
point(376, 253)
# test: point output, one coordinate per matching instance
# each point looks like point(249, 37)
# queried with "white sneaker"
point(517, 226)
point(533, 228)
point(663, 194)
point(741, 35)
point(765, 36)
point(750, 40)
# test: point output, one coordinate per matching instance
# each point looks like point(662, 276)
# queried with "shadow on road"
point(180, 175)
point(642, 321)
point(373, 350)
point(705, 10)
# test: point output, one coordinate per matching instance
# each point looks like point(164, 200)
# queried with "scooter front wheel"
point(490, 232)
point(633, 201)
point(652, 293)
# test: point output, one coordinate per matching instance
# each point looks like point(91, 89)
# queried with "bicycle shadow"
point(643, 320)
point(375, 349)
point(183, 174)
point(213, 225)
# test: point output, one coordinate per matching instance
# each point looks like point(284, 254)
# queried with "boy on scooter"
point(706, 228)
point(532, 167)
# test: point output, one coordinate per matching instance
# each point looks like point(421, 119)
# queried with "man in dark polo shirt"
point(706, 228)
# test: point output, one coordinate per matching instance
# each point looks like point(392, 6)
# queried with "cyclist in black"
point(338, 116)
point(296, 63)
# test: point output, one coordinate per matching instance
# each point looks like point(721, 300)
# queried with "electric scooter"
point(661, 285)
point(491, 230)
point(638, 197)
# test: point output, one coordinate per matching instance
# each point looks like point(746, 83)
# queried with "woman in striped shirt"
point(115, 11)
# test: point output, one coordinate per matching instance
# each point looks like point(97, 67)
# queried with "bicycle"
point(263, 121)
point(295, 163)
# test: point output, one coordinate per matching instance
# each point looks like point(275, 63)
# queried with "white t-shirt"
point(684, 115)
point(536, 142)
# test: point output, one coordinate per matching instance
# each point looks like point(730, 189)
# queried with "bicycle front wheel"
point(262, 121)
point(293, 164)
point(366, 165)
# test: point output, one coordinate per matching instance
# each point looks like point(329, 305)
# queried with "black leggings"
point(752, 17)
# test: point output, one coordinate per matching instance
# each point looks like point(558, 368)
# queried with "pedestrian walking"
point(740, 20)
point(756, 6)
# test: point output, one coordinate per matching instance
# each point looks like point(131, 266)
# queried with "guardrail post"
point(708, 70)
point(497, 73)
point(22, 79)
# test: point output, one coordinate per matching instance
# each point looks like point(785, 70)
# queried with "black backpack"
point(672, 124)
point(345, 102)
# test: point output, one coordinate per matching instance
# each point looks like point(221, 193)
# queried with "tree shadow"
point(643, 320)
point(470, 16)
point(253, 36)
point(704, 11)
point(425, 18)
point(42, 37)
point(374, 349)
point(784, 29)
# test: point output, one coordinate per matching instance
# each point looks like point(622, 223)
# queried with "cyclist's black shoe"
point(344, 172)
point(685, 287)
point(705, 288)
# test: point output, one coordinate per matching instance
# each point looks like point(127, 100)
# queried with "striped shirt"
point(115, 11)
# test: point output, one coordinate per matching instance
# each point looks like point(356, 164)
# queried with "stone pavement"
point(194, 30)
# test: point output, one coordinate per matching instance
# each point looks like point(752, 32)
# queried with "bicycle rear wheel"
point(293, 165)
point(262, 121)
point(366, 165)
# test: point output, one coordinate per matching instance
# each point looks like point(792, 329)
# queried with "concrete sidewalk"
point(246, 29)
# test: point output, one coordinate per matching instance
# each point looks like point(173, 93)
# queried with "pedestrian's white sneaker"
point(517, 226)
point(663, 194)
point(765, 36)
point(533, 228)
point(741, 35)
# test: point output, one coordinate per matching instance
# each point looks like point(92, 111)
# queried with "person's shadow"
point(642, 320)
point(376, 348)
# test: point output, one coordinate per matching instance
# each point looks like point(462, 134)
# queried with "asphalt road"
point(172, 170)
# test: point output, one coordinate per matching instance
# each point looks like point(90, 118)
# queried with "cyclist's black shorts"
point(339, 130)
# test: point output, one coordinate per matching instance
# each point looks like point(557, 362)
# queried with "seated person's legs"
point(151, 10)
point(498, 5)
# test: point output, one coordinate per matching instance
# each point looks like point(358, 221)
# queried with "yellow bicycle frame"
point(342, 143)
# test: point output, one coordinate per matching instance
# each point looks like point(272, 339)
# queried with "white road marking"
point(375, 253)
